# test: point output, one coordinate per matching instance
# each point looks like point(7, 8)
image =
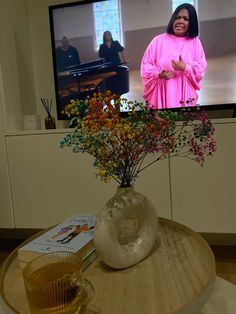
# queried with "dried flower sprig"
point(120, 144)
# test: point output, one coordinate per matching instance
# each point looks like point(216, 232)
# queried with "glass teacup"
point(54, 284)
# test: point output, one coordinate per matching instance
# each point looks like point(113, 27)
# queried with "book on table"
point(73, 235)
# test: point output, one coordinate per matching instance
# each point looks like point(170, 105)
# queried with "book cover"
point(87, 259)
point(73, 235)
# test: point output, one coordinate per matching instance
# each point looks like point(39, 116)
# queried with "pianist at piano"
point(66, 55)
point(81, 80)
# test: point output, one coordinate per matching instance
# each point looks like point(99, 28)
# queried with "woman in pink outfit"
point(174, 63)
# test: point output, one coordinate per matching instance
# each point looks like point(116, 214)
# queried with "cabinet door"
point(204, 198)
point(50, 184)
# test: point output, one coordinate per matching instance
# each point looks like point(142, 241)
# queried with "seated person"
point(111, 50)
point(66, 55)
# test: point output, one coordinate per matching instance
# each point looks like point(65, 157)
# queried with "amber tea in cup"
point(54, 284)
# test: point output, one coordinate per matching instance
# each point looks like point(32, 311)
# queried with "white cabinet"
point(49, 184)
point(204, 198)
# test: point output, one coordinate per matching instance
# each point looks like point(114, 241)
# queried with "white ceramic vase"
point(126, 229)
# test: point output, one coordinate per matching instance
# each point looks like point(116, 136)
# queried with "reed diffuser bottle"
point(49, 121)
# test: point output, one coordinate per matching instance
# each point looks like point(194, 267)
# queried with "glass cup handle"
point(88, 288)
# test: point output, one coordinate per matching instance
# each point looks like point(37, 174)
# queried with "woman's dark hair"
point(104, 36)
point(193, 20)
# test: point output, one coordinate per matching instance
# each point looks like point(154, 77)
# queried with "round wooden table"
point(177, 277)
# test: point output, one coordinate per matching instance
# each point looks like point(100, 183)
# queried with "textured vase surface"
point(126, 229)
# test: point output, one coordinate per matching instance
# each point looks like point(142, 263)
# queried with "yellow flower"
point(102, 173)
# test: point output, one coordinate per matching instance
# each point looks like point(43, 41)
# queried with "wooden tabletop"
point(177, 277)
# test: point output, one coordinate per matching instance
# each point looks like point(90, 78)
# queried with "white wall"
point(16, 59)
point(216, 9)
point(6, 211)
point(8, 58)
point(81, 21)
point(227, 8)
point(145, 14)
point(135, 15)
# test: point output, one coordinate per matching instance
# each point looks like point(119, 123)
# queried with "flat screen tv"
point(74, 24)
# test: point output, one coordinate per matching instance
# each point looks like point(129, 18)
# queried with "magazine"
point(73, 235)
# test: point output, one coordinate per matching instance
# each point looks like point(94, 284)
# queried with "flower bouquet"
point(120, 142)
point(126, 227)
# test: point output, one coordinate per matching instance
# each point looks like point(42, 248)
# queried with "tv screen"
point(80, 26)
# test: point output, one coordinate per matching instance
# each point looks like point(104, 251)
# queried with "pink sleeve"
point(150, 68)
point(196, 69)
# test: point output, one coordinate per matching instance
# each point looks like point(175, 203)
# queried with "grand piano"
point(82, 80)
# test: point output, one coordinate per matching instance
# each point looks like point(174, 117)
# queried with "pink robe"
point(164, 48)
